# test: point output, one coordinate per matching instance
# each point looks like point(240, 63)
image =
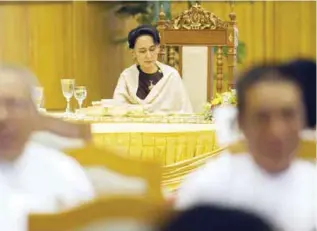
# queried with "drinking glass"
point(80, 95)
point(68, 86)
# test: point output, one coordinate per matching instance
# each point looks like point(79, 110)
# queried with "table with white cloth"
point(166, 143)
point(167, 140)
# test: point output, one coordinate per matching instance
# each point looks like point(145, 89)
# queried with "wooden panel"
point(14, 40)
point(194, 37)
point(57, 40)
point(50, 47)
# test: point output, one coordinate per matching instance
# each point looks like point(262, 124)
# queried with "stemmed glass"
point(68, 86)
point(80, 95)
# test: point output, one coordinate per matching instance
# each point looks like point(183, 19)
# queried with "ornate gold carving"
point(173, 57)
point(219, 69)
point(197, 18)
point(161, 55)
point(230, 38)
point(236, 37)
point(162, 14)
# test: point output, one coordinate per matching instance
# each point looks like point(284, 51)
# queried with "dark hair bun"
point(143, 30)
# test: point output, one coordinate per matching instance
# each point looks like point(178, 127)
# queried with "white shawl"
point(168, 95)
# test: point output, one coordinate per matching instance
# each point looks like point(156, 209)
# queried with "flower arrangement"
point(228, 97)
point(225, 98)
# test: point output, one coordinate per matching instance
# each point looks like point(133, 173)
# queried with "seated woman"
point(156, 86)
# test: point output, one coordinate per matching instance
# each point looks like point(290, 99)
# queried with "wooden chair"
point(113, 174)
point(108, 213)
point(199, 27)
point(60, 134)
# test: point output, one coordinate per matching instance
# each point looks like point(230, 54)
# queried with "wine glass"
point(80, 95)
point(68, 86)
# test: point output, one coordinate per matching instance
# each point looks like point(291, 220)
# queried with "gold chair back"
point(64, 128)
point(111, 160)
point(102, 212)
point(59, 134)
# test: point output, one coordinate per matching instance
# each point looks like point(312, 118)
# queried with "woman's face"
point(146, 51)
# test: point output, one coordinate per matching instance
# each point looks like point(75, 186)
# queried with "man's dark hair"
point(304, 70)
point(216, 218)
point(143, 30)
point(258, 74)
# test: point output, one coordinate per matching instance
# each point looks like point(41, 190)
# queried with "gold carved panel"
point(197, 18)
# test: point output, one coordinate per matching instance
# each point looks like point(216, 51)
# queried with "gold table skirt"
point(166, 144)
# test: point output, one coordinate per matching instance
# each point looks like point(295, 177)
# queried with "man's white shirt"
point(40, 180)
point(287, 199)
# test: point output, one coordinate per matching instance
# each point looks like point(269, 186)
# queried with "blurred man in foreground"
point(32, 176)
point(268, 180)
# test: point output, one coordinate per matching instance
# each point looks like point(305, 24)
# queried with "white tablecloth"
point(148, 127)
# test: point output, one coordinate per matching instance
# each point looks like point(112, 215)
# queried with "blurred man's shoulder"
point(223, 164)
point(227, 158)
